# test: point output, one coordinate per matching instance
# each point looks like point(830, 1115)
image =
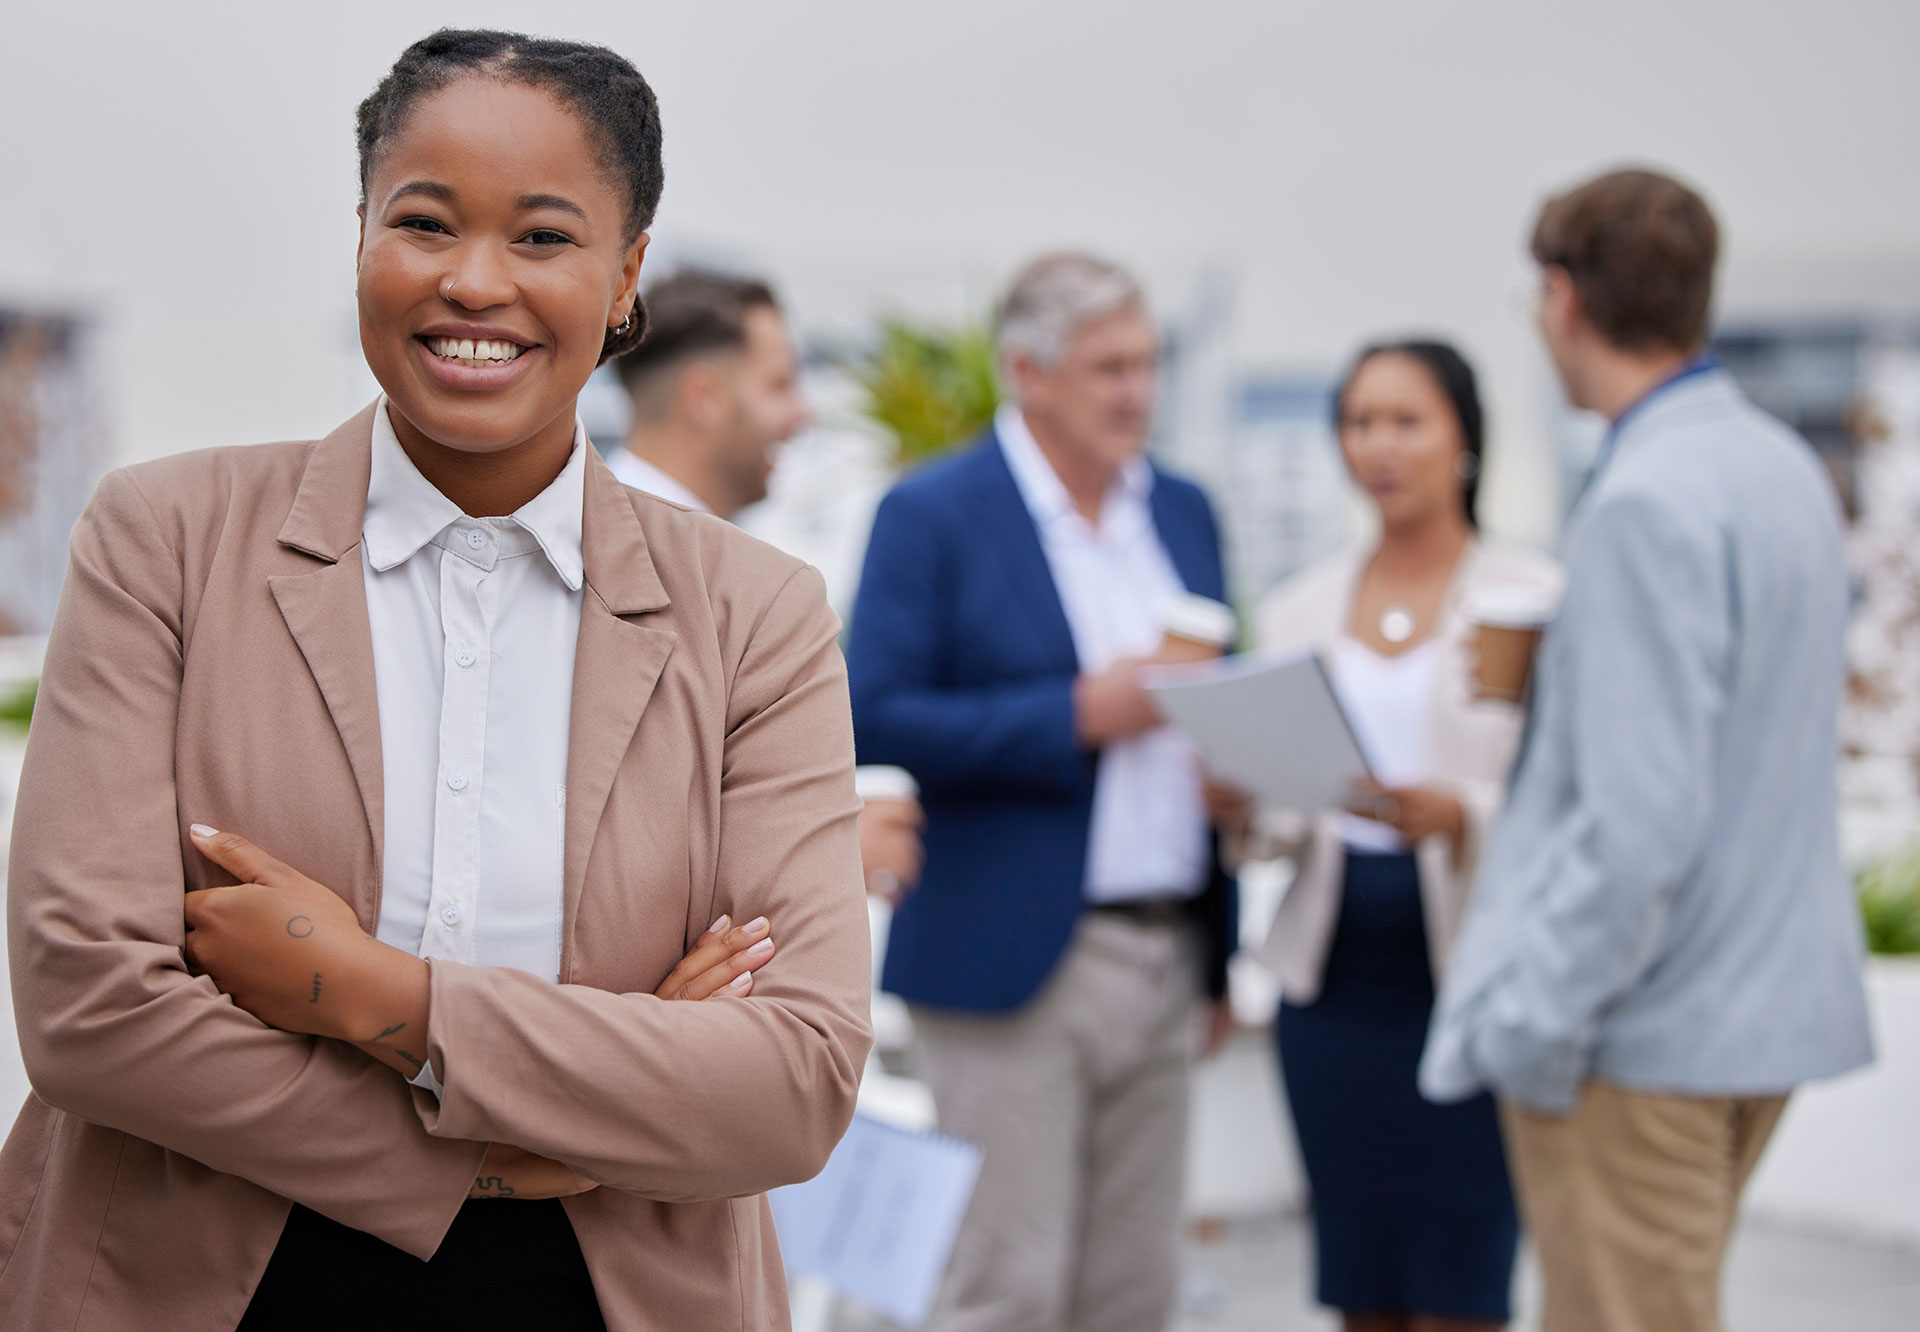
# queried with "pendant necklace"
point(1396, 623)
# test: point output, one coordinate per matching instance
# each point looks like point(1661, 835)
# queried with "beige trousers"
point(1080, 1102)
point(1631, 1201)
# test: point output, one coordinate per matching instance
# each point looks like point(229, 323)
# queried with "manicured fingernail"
point(762, 949)
point(202, 830)
point(758, 925)
point(742, 983)
point(720, 924)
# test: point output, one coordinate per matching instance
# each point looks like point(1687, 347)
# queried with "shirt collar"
point(1040, 486)
point(1703, 364)
point(406, 512)
point(635, 471)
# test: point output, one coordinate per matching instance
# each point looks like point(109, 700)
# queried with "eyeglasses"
point(1529, 298)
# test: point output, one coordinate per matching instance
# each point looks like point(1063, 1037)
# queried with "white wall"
point(186, 171)
point(1846, 1157)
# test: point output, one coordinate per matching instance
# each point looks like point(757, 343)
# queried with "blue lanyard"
point(1700, 365)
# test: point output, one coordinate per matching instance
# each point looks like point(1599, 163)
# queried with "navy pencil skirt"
point(1413, 1211)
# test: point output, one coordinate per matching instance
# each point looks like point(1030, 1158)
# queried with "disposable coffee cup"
point(874, 782)
point(878, 784)
point(1508, 622)
point(1195, 628)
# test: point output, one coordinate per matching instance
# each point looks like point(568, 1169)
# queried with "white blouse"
point(474, 626)
point(1387, 699)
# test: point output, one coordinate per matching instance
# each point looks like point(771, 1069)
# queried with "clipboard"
point(1271, 725)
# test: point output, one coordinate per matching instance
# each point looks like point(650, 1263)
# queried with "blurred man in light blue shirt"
point(1663, 942)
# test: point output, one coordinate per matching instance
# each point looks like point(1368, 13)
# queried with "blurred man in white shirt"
point(716, 391)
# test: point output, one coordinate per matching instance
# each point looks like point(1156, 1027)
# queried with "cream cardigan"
point(1471, 743)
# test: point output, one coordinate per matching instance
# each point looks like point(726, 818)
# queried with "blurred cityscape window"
point(1284, 495)
point(51, 454)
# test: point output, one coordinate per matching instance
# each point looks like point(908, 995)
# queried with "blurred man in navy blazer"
point(1072, 911)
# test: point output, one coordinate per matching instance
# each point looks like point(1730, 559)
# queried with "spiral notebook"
point(878, 1224)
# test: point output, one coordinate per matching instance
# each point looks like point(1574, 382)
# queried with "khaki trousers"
point(1631, 1201)
point(1080, 1102)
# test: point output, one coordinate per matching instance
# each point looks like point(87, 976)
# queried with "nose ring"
point(446, 290)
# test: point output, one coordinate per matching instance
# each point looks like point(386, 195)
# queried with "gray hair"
point(1055, 295)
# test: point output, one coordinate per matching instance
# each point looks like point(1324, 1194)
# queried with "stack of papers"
point(1272, 726)
point(878, 1224)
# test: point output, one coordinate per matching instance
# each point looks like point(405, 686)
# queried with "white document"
point(878, 1224)
point(1272, 726)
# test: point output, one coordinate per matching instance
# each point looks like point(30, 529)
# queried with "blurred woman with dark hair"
point(1414, 1216)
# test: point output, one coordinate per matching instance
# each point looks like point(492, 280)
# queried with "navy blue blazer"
point(962, 667)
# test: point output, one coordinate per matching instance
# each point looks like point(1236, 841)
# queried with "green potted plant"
point(931, 386)
point(1889, 891)
point(16, 705)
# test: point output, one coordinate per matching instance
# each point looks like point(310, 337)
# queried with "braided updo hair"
point(605, 90)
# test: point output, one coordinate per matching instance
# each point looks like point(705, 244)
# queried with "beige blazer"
point(1470, 746)
point(211, 661)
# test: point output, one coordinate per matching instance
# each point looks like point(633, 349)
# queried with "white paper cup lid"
point(1510, 606)
point(1201, 619)
point(874, 781)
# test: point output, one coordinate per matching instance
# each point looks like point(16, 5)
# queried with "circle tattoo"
point(300, 927)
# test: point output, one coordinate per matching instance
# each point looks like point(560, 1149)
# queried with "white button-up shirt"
point(635, 471)
point(474, 627)
point(1149, 832)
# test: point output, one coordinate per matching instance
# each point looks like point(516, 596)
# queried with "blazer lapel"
point(326, 612)
point(1186, 547)
point(616, 666)
point(1008, 530)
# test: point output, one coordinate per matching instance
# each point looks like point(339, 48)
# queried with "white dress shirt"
point(635, 471)
point(474, 626)
point(1149, 832)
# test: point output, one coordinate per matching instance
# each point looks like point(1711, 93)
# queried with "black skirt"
point(1413, 1213)
point(505, 1264)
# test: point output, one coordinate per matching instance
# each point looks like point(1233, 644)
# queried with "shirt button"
point(457, 779)
point(450, 914)
point(464, 655)
point(476, 538)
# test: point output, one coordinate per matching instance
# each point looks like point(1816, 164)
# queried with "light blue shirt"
point(1662, 905)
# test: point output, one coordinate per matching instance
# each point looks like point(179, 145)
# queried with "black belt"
point(1149, 910)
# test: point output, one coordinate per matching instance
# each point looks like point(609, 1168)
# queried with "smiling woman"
point(489, 215)
point(445, 765)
